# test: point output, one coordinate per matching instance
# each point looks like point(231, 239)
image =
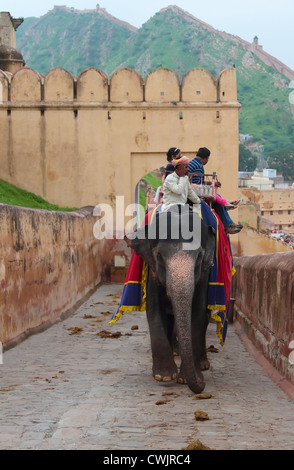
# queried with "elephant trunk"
point(181, 284)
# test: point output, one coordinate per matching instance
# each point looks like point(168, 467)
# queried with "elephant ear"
point(209, 249)
point(139, 242)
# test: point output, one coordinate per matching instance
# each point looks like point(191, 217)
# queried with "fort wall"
point(264, 308)
point(7, 29)
point(79, 141)
point(49, 262)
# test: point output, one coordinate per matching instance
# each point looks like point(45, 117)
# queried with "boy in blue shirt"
point(196, 167)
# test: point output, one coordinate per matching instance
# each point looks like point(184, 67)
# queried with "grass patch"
point(152, 181)
point(15, 196)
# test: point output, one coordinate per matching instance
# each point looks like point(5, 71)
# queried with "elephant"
point(176, 292)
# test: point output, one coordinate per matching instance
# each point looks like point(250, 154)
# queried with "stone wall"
point(263, 287)
point(49, 261)
point(7, 29)
point(79, 141)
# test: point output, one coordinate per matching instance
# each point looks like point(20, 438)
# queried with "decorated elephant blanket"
point(219, 286)
point(133, 297)
point(134, 291)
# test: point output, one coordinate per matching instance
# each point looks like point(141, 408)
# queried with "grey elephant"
point(176, 292)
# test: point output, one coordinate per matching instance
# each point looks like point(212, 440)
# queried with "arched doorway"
point(146, 190)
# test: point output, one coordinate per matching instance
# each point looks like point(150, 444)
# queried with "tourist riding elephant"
point(176, 292)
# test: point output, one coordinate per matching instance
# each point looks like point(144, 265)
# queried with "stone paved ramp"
point(68, 388)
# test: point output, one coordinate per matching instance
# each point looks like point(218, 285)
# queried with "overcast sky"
point(271, 20)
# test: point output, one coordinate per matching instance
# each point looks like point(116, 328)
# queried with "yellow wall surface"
point(277, 205)
point(80, 141)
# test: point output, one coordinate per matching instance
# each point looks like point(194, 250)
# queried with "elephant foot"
point(181, 378)
point(164, 370)
point(204, 364)
point(196, 387)
point(165, 378)
point(182, 381)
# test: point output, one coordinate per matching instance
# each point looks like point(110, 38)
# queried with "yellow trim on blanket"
point(134, 308)
point(217, 318)
point(144, 279)
point(221, 308)
point(152, 215)
point(123, 309)
point(220, 325)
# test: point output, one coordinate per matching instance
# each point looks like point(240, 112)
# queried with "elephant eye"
point(159, 257)
point(198, 260)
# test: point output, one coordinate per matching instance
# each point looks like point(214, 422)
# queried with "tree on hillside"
point(283, 162)
point(247, 161)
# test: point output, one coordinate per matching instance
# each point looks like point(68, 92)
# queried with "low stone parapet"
point(49, 262)
point(264, 291)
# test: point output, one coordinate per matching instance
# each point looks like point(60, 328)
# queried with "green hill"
point(14, 196)
point(70, 40)
point(174, 39)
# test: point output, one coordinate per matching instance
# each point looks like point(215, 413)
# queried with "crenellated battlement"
point(79, 141)
point(125, 85)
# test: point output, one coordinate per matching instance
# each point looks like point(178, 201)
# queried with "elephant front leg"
point(164, 368)
point(160, 326)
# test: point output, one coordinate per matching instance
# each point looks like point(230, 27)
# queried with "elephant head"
point(181, 264)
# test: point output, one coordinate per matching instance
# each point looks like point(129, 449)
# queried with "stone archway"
point(143, 163)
